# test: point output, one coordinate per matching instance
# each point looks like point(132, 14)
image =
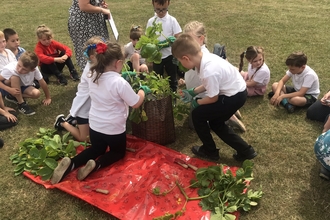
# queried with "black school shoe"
point(245, 155)
point(324, 173)
point(199, 151)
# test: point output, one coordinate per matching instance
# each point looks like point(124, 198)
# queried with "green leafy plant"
point(220, 191)
point(39, 155)
point(150, 45)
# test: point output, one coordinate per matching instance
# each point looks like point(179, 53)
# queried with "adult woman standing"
point(86, 20)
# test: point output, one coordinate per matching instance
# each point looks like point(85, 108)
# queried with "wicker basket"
point(159, 127)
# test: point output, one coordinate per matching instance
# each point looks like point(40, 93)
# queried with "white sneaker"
point(60, 170)
point(86, 170)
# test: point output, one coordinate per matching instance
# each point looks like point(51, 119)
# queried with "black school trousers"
point(100, 143)
point(213, 116)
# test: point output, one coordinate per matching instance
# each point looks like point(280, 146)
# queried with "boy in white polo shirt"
point(305, 82)
point(170, 27)
point(17, 78)
point(225, 94)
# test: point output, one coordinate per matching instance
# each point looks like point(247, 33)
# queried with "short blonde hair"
point(44, 30)
point(2, 34)
point(185, 45)
point(29, 59)
point(197, 28)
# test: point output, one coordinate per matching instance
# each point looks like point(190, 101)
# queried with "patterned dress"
point(322, 149)
point(82, 26)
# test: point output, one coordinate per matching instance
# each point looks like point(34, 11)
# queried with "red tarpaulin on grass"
point(130, 183)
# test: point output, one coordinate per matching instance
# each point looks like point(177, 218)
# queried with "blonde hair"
point(185, 45)
point(90, 45)
point(113, 52)
point(44, 30)
point(2, 34)
point(29, 59)
point(197, 28)
point(135, 32)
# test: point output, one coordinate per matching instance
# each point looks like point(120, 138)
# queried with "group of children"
point(215, 88)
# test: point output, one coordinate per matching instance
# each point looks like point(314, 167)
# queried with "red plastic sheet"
point(131, 180)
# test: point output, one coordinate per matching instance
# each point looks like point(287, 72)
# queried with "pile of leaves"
point(219, 191)
point(39, 155)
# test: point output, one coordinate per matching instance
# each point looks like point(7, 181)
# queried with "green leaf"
point(230, 217)
point(14, 156)
point(43, 154)
point(42, 130)
point(231, 208)
point(252, 203)
point(51, 163)
point(57, 139)
point(65, 137)
point(34, 152)
point(44, 171)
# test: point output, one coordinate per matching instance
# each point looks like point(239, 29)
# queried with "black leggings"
point(100, 143)
point(4, 123)
point(318, 112)
point(56, 68)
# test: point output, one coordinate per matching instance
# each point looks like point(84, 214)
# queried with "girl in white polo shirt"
point(111, 95)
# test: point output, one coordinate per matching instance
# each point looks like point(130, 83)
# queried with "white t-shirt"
point(170, 26)
point(130, 50)
point(261, 77)
point(82, 102)
point(192, 79)
point(111, 95)
point(26, 79)
point(219, 77)
point(4, 60)
point(308, 79)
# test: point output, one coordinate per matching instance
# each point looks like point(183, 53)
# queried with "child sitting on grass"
point(53, 56)
point(18, 79)
point(8, 116)
point(6, 56)
point(13, 42)
point(135, 62)
point(258, 75)
point(77, 121)
point(305, 82)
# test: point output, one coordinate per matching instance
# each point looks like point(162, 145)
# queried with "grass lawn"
point(286, 167)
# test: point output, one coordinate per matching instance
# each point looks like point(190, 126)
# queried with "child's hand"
point(7, 109)
point(47, 101)
point(181, 82)
point(14, 91)
point(64, 57)
point(59, 60)
point(106, 12)
point(276, 100)
point(10, 117)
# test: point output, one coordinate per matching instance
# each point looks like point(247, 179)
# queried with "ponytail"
point(241, 62)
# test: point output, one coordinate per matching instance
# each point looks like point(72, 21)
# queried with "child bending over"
point(305, 82)
point(135, 61)
point(111, 95)
point(53, 56)
point(18, 79)
point(225, 94)
point(258, 75)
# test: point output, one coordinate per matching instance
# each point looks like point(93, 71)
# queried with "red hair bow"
point(101, 48)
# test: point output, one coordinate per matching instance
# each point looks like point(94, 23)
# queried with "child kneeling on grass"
point(77, 121)
point(17, 78)
point(111, 95)
point(225, 94)
point(305, 82)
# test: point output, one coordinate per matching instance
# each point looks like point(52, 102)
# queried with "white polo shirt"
point(261, 77)
point(170, 27)
point(130, 50)
point(219, 77)
point(111, 95)
point(4, 60)
point(82, 102)
point(26, 79)
point(308, 79)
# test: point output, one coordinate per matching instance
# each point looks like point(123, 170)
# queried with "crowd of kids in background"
point(215, 89)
